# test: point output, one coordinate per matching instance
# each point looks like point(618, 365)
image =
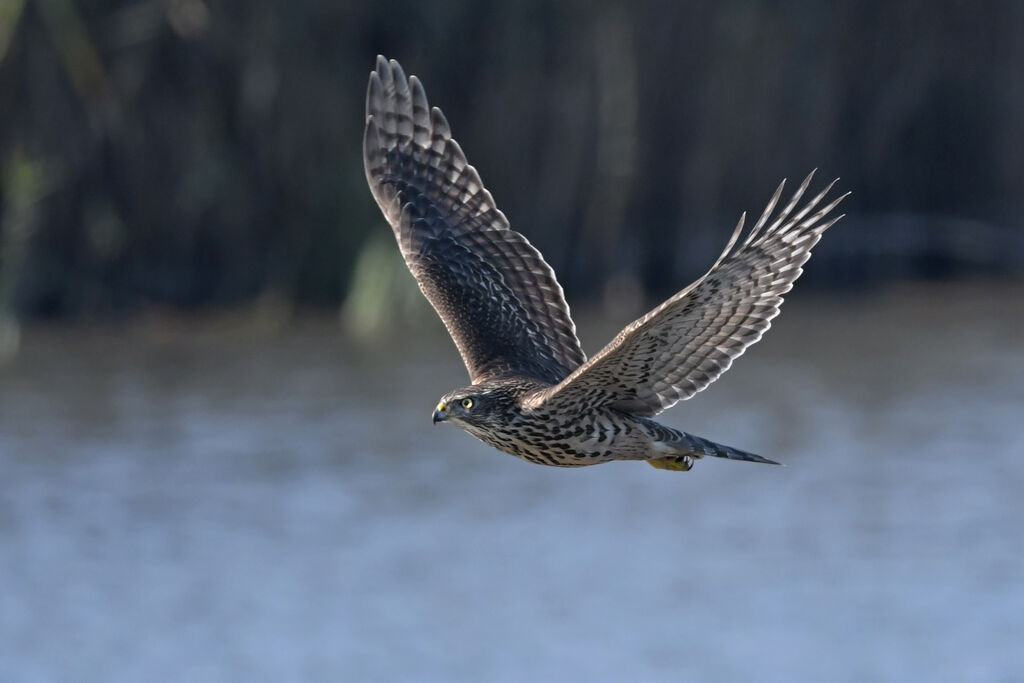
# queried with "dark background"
point(207, 154)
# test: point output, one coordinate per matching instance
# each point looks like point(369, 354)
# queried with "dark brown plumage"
point(499, 299)
point(533, 393)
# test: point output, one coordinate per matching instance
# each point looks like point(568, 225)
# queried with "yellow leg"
point(676, 463)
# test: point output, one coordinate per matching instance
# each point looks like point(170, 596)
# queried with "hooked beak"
point(440, 413)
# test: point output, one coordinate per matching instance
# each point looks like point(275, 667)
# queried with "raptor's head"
point(475, 405)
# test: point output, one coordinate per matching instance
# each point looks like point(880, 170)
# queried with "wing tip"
point(373, 93)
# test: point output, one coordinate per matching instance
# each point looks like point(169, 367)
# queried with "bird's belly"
point(570, 445)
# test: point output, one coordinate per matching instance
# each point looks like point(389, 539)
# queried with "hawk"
point(533, 393)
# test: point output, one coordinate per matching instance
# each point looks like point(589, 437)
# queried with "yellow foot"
point(679, 463)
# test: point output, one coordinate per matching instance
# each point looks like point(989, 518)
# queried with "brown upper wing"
point(498, 298)
point(684, 344)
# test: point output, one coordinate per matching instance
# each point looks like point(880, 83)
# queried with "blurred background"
point(216, 375)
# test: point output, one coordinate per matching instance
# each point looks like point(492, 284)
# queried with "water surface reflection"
point(223, 507)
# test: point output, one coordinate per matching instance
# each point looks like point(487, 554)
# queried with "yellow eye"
point(467, 403)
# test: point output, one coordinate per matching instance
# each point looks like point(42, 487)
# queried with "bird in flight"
point(532, 391)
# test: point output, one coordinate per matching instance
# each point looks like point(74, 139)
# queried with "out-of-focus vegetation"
point(197, 152)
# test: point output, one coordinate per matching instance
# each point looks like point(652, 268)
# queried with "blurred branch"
point(10, 12)
point(24, 184)
point(70, 37)
point(381, 293)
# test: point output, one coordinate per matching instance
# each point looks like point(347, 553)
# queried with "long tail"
point(685, 448)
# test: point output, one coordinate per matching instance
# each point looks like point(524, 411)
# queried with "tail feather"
point(700, 447)
point(686, 448)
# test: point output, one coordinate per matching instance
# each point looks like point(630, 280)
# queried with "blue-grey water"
point(182, 502)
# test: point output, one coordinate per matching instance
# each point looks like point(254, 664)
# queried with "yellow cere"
point(441, 407)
